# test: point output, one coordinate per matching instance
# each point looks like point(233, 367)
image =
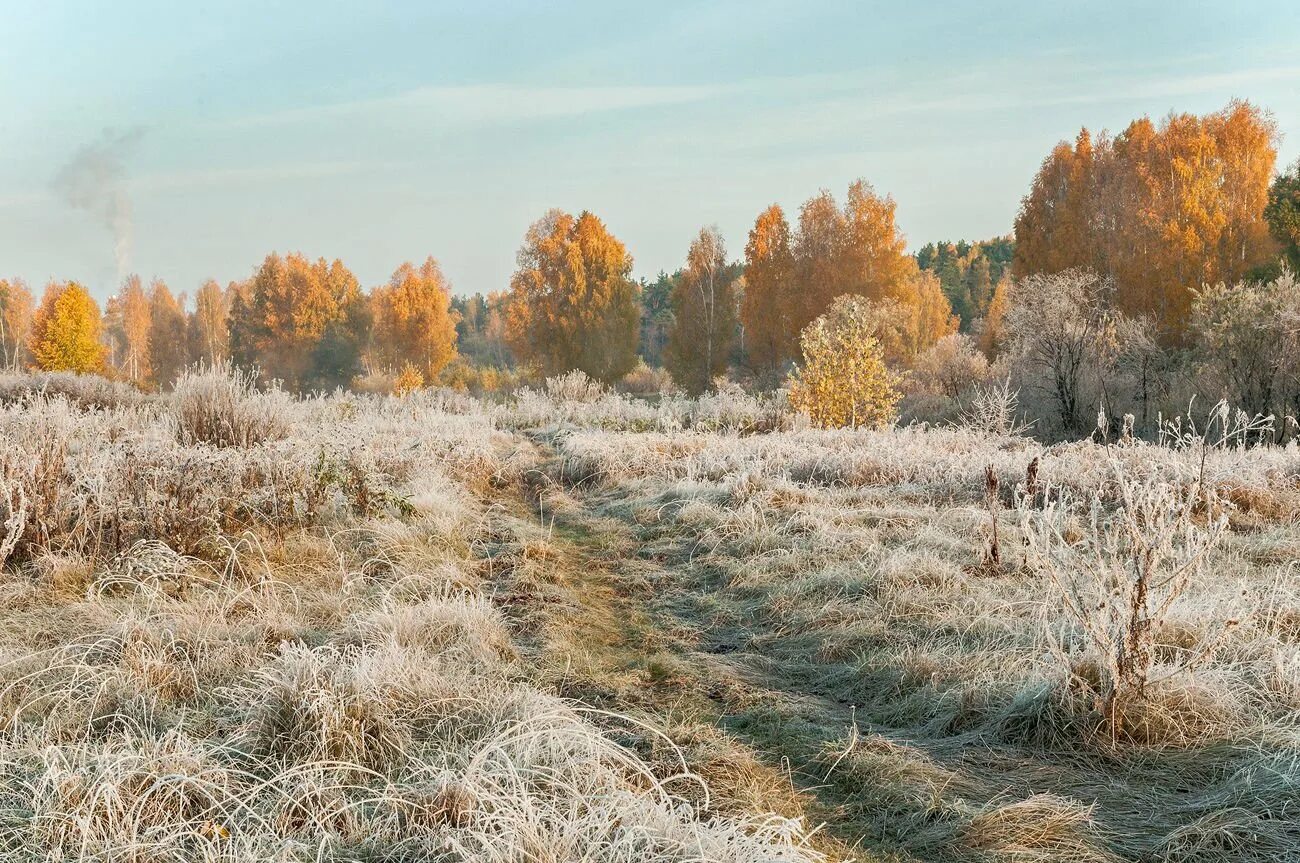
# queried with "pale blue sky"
point(381, 132)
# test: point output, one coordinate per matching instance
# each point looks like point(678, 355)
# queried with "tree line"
point(304, 323)
point(572, 304)
point(1154, 218)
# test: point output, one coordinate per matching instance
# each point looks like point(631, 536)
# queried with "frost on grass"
point(241, 627)
point(1139, 637)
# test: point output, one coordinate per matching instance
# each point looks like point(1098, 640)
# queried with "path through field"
point(637, 621)
point(630, 628)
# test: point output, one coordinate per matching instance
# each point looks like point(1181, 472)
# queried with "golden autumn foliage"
point(768, 310)
point(875, 259)
point(1162, 209)
point(413, 321)
point(704, 315)
point(992, 334)
point(573, 304)
point(843, 379)
point(928, 313)
point(856, 250)
point(133, 318)
point(289, 311)
point(408, 380)
point(16, 310)
point(65, 330)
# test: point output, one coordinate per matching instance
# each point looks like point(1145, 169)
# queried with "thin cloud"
point(483, 104)
point(167, 181)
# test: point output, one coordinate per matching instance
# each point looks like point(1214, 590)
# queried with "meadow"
point(569, 624)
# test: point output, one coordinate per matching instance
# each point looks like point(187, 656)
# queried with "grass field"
point(575, 626)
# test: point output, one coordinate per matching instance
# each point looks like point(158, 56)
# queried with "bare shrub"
point(1118, 582)
point(1062, 331)
point(13, 505)
point(85, 391)
point(221, 406)
point(951, 366)
point(574, 386)
point(645, 380)
point(1249, 339)
point(994, 409)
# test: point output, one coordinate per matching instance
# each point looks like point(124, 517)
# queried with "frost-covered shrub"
point(222, 406)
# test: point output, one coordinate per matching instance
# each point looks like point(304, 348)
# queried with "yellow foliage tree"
point(992, 332)
point(134, 322)
point(874, 258)
point(16, 310)
point(408, 381)
point(573, 304)
point(66, 330)
point(769, 307)
point(843, 380)
point(168, 340)
point(413, 321)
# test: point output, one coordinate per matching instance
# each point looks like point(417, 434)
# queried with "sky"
point(185, 141)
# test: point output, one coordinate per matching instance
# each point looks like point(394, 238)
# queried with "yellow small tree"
point(843, 380)
point(65, 331)
point(410, 380)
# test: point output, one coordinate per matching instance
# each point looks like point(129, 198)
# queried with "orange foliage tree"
point(299, 321)
point(704, 315)
point(768, 309)
point(413, 321)
point(66, 330)
point(1162, 209)
point(819, 272)
point(856, 250)
point(16, 310)
point(133, 318)
point(573, 304)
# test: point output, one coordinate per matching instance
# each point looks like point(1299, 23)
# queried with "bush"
point(408, 380)
point(85, 391)
point(843, 380)
point(1118, 582)
point(222, 407)
point(647, 380)
point(574, 386)
point(951, 367)
point(995, 410)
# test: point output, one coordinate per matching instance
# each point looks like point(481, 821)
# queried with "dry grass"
point(248, 627)
point(848, 568)
point(254, 627)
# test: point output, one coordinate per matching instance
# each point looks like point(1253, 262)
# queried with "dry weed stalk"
point(993, 553)
point(1119, 581)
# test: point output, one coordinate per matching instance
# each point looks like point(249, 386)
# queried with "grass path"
point(628, 622)
point(599, 628)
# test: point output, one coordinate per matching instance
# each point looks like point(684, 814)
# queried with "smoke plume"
point(94, 180)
